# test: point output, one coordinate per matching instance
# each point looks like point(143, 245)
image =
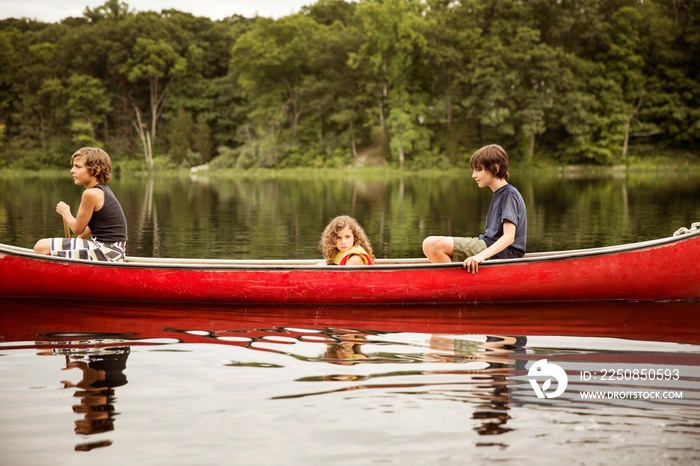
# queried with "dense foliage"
point(415, 83)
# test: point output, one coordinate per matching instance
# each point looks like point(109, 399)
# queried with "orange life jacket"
point(340, 258)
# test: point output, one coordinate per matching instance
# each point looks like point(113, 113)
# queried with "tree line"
point(411, 83)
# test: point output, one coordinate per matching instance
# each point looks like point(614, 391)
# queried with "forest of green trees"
point(410, 83)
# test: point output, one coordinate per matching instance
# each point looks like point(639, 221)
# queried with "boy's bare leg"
point(43, 246)
point(438, 249)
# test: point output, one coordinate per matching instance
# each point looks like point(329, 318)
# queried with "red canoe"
point(658, 270)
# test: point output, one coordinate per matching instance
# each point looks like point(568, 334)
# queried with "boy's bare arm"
point(86, 233)
point(88, 204)
point(472, 263)
point(79, 223)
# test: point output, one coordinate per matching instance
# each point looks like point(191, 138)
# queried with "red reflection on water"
point(40, 320)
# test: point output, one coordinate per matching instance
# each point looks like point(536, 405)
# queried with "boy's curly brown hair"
point(95, 159)
point(330, 234)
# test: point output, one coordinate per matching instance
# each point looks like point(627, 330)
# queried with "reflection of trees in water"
point(249, 216)
point(102, 370)
point(148, 216)
point(254, 217)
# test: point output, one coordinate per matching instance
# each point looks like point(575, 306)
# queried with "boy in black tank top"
point(100, 223)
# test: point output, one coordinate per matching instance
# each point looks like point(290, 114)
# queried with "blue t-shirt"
point(507, 204)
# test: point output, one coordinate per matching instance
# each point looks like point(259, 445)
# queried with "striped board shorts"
point(88, 249)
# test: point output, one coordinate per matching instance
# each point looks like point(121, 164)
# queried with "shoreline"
point(372, 172)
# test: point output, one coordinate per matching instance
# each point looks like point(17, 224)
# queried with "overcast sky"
point(51, 11)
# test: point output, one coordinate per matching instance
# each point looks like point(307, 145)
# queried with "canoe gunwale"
point(311, 264)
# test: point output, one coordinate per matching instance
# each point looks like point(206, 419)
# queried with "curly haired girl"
point(344, 242)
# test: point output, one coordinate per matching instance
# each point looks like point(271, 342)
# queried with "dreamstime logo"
point(544, 369)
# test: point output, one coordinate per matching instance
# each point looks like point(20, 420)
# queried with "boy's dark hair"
point(95, 158)
point(492, 158)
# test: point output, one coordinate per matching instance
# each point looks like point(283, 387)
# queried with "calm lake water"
point(282, 217)
point(128, 383)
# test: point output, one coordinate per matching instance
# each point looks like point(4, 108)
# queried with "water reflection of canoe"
point(663, 269)
point(81, 322)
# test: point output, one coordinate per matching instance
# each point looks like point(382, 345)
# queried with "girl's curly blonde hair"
point(330, 234)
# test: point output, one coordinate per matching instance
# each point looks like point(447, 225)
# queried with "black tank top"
point(108, 225)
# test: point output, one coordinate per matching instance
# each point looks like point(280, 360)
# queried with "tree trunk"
point(353, 142)
point(154, 109)
point(250, 140)
point(626, 140)
point(381, 115)
point(448, 109)
point(628, 122)
point(382, 99)
point(157, 100)
point(144, 136)
point(402, 151)
point(294, 106)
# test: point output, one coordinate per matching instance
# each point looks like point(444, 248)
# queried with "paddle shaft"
point(66, 230)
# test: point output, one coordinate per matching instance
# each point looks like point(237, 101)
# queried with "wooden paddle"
point(66, 230)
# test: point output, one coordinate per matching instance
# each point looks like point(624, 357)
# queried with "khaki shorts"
point(466, 247)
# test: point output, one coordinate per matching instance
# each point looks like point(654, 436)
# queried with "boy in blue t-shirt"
point(506, 221)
